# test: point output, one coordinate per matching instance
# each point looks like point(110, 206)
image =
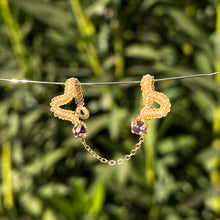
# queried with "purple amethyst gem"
point(137, 128)
point(80, 131)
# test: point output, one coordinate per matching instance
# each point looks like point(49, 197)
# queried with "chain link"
point(113, 162)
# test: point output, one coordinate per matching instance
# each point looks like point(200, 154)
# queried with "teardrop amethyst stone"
point(80, 131)
point(137, 129)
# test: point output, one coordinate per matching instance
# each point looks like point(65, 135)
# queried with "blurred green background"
point(45, 172)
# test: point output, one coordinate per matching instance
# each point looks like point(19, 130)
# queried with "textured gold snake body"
point(150, 96)
point(138, 126)
point(72, 90)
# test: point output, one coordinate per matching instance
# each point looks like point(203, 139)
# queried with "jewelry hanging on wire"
point(138, 125)
point(72, 90)
point(107, 83)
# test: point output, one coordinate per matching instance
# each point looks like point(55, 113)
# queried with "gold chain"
point(113, 162)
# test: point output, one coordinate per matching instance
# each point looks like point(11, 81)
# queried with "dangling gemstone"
point(138, 128)
point(80, 131)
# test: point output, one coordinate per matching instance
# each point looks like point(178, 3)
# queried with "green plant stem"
point(87, 31)
point(6, 176)
point(149, 155)
point(119, 65)
point(15, 36)
point(215, 161)
point(149, 165)
point(94, 60)
point(149, 145)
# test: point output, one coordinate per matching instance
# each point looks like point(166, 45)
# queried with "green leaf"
point(116, 119)
point(79, 198)
point(63, 206)
point(98, 198)
point(203, 62)
point(30, 118)
point(47, 13)
point(185, 23)
point(31, 203)
point(142, 51)
point(179, 143)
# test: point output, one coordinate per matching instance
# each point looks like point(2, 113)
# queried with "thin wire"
point(108, 83)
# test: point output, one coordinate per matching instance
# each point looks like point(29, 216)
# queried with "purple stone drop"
point(80, 131)
point(137, 129)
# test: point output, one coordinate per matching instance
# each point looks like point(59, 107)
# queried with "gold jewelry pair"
point(138, 125)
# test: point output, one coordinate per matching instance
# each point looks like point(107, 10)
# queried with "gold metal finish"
point(114, 162)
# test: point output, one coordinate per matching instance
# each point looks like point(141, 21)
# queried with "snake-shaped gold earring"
point(139, 125)
point(72, 90)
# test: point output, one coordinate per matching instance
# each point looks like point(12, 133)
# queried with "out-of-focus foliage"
point(45, 172)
